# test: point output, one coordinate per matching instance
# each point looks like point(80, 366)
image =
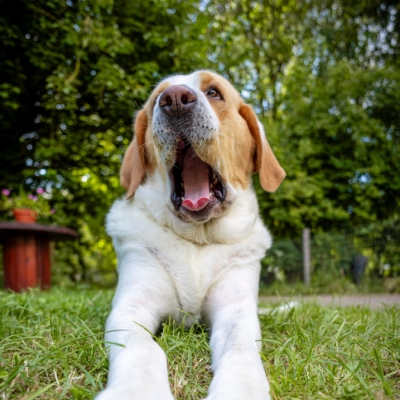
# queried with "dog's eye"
point(214, 93)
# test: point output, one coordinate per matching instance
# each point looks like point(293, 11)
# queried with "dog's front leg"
point(138, 366)
point(231, 310)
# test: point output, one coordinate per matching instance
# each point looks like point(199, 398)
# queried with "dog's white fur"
point(192, 271)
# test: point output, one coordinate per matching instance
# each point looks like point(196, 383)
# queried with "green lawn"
point(51, 348)
point(333, 283)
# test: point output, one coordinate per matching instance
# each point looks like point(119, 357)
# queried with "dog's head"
point(205, 142)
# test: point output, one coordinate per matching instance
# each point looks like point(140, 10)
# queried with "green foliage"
point(335, 251)
point(342, 158)
point(256, 44)
point(332, 254)
point(323, 76)
point(283, 262)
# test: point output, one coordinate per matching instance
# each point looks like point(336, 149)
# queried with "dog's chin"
point(213, 209)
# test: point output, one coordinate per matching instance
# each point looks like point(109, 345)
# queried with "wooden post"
point(43, 260)
point(306, 256)
point(21, 262)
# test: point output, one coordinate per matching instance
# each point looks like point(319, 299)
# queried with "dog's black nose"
point(177, 100)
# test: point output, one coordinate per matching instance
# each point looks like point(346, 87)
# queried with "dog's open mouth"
point(195, 185)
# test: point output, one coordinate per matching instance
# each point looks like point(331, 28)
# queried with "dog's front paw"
point(239, 382)
point(243, 392)
point(114, 393)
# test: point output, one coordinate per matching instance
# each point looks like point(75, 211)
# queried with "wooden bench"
point(26, 253)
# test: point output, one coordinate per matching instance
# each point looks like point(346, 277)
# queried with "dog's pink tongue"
point(195, 179)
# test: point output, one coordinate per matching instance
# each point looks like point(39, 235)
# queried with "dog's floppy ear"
point(265, 163)
point(134, 163)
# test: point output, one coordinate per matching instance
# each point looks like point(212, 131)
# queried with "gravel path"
point(374, 301)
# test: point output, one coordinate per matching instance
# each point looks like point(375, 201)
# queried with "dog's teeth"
point(211, 195)
point(183, 199)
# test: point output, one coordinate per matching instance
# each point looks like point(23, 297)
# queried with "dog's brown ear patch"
point(265, 163)
point(134, 163)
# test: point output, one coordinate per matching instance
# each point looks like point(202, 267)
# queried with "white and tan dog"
point(189, 237)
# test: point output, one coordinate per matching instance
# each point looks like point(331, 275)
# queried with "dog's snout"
point(177, 100)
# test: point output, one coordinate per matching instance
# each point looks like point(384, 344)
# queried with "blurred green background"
point(323, 76)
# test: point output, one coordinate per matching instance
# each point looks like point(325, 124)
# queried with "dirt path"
point(374, 301)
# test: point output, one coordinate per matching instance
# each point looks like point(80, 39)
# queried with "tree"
point(342, 155)
point(322, 76)
point(256, 45)
point(73, 75)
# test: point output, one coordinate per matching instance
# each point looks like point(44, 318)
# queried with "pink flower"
point(52, 211)
point(39, 190)
point(5, 192)
point(32, 197)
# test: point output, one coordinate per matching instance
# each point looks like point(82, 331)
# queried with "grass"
point(316, 352)
point(51, 347)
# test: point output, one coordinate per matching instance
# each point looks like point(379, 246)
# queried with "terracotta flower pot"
point(25, 215)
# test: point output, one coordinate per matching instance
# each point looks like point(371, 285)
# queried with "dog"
point(189, 239)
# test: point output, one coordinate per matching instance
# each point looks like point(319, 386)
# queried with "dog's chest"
point(194, 269)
